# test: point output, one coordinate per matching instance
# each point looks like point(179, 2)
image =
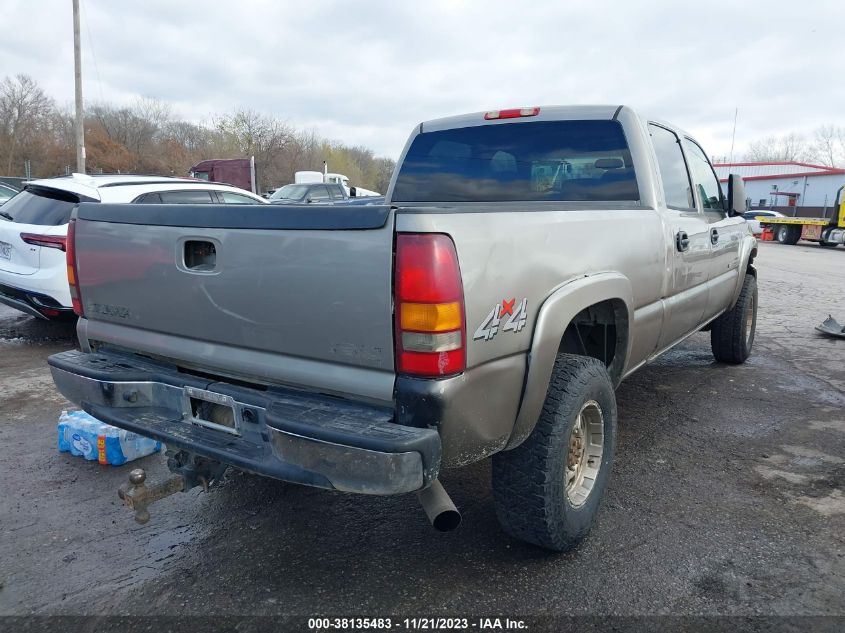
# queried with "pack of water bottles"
point(83, 435)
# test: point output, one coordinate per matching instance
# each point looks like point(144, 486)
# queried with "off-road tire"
point(732, 334)
point(529, 482)
point(789, 234)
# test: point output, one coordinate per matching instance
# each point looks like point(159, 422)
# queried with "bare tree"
point(384, 171)
point(146, 137)
point(828, 145)
point(789, 147)
point(250, 133)
point(24, 110)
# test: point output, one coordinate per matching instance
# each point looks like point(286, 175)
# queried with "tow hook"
point(137, 496)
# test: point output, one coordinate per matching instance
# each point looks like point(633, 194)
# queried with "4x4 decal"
point(517, 315)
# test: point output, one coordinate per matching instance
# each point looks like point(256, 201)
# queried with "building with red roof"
point(791, 187)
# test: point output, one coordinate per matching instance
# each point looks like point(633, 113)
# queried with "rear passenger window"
point(186, 197)
point(705, 179)
point(148, 198)
point(673, 169)
point(525, 161)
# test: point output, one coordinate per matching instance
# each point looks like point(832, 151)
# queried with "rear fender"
point(555, 315)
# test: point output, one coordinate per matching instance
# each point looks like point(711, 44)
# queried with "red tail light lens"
point(72, 272)
point(429, 298)
point(513, 113)
point(47, 241)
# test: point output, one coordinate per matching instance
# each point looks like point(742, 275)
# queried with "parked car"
point(308, 193)
point(6, 193)
point(301, 193)
point(525, 263)
point(33, 229)
point(750, 216)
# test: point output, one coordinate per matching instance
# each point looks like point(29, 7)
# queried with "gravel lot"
point(726, 498)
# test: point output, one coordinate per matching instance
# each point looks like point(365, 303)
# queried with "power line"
point(91, 48)
point(733, 136)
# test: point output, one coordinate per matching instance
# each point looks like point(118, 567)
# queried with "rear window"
point(290, 192)
point(37, 205)
point(527, 161)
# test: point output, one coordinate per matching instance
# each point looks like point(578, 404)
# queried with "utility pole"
point(80, 116)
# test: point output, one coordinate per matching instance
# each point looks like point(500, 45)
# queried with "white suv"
point(33, 229)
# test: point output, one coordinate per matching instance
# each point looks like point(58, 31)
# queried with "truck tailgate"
point(300, 282)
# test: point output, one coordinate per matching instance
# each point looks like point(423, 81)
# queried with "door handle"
point(714, 236)
point(682, 241)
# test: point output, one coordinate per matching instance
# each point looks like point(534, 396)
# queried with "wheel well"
point(750, 270)
point(599, 331)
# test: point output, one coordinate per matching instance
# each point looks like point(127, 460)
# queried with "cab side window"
point(673, 168)
point(704, 178)
point(319, 193)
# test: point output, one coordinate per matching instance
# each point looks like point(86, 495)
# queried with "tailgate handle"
point(200, 255)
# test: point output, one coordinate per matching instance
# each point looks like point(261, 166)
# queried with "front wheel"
point(547, 490)
point(732, 334)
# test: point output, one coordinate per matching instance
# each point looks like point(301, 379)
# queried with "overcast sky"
point(366, 72)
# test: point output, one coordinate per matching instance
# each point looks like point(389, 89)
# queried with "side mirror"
point(309, 200)
point(736, 195)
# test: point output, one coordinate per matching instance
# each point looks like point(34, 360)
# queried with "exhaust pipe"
point(439, 509)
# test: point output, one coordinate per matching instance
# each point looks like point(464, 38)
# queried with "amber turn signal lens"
point(430, 317)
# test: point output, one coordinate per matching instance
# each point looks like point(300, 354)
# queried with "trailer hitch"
point(137, 496)
point(188, 471)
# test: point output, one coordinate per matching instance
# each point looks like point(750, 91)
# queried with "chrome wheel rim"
point(584, 455)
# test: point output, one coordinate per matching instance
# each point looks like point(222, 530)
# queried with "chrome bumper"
point(310, 439)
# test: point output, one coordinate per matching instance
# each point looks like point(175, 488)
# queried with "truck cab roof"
point(545, 113)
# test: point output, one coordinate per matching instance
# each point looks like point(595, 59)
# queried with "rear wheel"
point(789, 234)
point(547, 490)
point(732, 334)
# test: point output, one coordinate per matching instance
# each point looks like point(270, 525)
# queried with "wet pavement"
point(728, 497)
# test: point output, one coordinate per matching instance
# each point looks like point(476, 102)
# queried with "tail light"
point(72, 271)
point(47, 241)
point(429, 311)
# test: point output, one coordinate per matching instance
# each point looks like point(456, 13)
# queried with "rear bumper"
point(33, 303)
point(290, 435)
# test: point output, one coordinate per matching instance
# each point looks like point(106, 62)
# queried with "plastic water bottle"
point(86, 436)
